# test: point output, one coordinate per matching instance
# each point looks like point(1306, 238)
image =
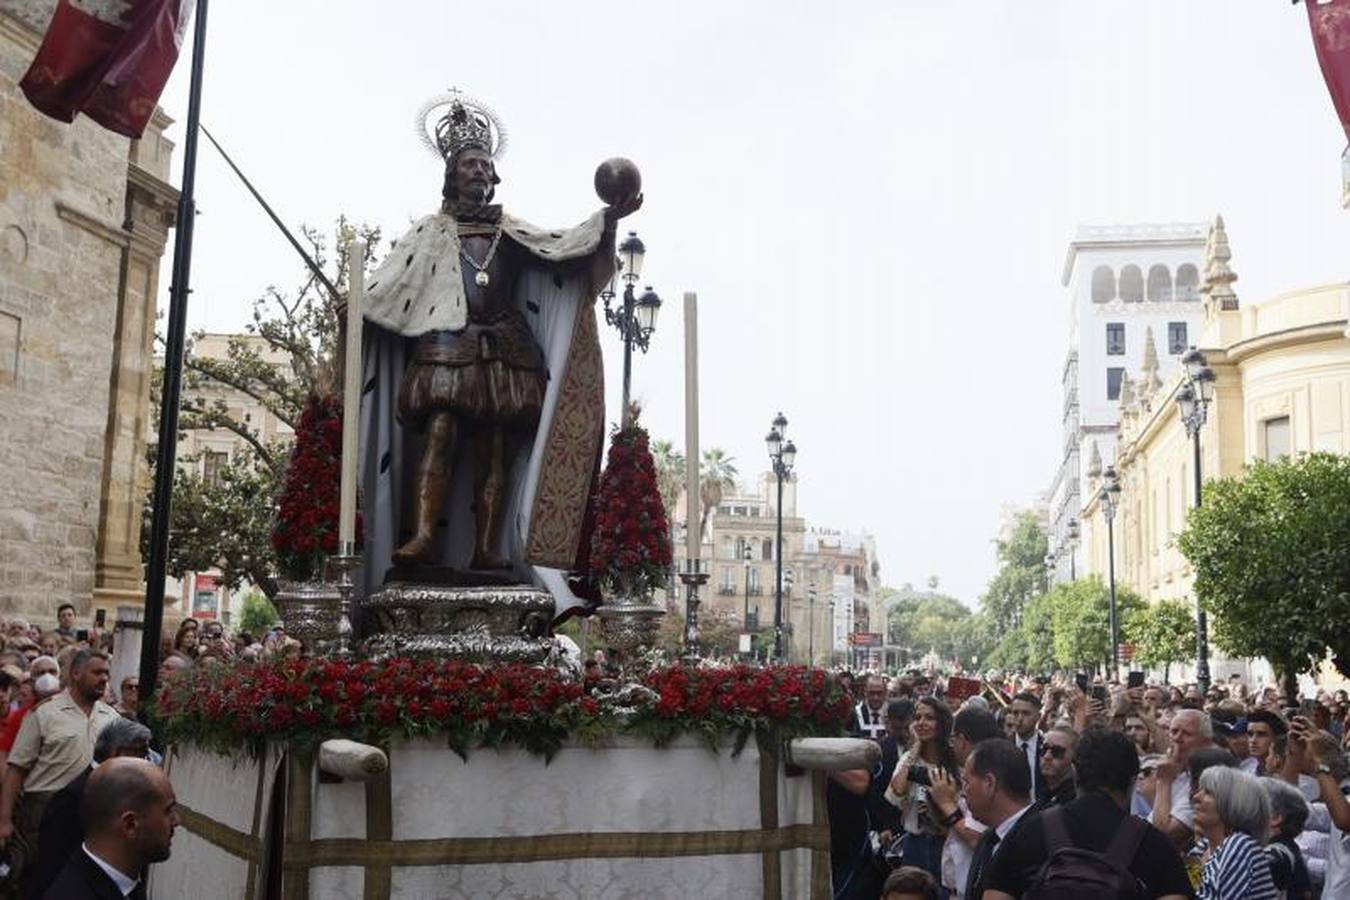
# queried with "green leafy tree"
point(1162, 634)
point(1037, 631)
point(923, 621)
point(258, 614)
point(222, 519)
point(1020, 576)
point(1271, 555)
point(1080, 620)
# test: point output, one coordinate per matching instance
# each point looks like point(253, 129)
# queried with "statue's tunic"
point(527, 347)
point(491, 370)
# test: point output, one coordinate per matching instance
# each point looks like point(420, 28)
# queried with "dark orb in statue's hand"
point(617, 180)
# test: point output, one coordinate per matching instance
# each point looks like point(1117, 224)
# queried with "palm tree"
point(718, 475)
point(669, 475)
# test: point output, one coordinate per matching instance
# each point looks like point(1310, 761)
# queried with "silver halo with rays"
point(431, 113)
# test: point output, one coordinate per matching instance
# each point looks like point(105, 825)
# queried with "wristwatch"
point(1322, 769)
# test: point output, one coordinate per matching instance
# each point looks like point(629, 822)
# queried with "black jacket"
point(82, 879)
point(61, 834)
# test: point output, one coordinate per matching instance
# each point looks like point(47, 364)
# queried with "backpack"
point(1081, 874)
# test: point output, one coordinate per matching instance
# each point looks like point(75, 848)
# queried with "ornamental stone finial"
point(1149, 382)
point(1219, 277)
point(1094, 469)
point(1126, 393)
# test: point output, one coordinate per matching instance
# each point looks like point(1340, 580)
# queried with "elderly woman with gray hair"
point(1232, 813)
point(1288, 815)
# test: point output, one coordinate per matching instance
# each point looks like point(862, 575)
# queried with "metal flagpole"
point(173, 376)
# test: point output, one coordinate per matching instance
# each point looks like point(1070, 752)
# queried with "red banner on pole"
point(109, 59)
point(1330, 24)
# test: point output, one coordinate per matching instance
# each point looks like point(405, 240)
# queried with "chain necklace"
point(482, 278)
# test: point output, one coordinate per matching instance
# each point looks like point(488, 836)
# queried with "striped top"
point(1237, 870)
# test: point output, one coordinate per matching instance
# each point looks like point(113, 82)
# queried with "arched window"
point(768, 549)
point(1103, 284)
point(740, 548)
point(1159, 284)
point(1188, 282)
point(1131, 284)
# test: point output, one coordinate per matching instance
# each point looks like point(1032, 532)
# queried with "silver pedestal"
point(491, 623)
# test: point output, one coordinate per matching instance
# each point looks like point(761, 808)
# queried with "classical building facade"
point(84, 218)
point(1282, 387)
point(1133, 295)
point(830, 578)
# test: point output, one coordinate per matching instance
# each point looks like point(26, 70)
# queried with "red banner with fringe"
point(108, 59)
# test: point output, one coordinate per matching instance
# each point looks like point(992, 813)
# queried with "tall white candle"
point(351, 397)
point(693, 539)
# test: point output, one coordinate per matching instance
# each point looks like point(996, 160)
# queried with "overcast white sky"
point(872, 200)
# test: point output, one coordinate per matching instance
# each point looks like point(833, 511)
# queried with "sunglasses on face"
point(1052, 750)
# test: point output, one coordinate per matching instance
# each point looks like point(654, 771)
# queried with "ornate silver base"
point(313, 613)
point(630, 624)
point(476, 624)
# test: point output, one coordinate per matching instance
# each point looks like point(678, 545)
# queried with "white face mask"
point(46, 684)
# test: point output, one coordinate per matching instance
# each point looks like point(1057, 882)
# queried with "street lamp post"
point(1073, 533)
point(782, 454)
point(1110, 496)
point(636, 318)
point(1193, 399)
point(747, 556)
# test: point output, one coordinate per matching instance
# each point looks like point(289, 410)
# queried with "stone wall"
point(76, 275)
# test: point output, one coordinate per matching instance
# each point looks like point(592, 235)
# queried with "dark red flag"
point(1330, 23)
point(109, 59)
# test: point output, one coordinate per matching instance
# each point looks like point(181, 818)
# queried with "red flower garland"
point(239, 706)
point(630, 548)
point(306, 530)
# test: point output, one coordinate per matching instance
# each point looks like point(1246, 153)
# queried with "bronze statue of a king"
point(482, 413)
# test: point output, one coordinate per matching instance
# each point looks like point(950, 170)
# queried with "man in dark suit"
point(129, 813)
point(1025, 712)
point(61, 830)
point(998, 787)
point(869, 716)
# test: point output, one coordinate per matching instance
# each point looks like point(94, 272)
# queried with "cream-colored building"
point(829, 578)
point(84, 219)
point(1282, 387)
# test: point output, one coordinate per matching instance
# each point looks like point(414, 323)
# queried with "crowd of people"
point(1075, 787)
point(1024, 787)
point(84, 805)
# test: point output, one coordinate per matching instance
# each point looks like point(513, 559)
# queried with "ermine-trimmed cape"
point(550, 477)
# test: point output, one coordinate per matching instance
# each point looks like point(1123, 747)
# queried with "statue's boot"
point(490, 498)
point(433, 476)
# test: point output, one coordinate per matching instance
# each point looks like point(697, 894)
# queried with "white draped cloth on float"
point(418, 288)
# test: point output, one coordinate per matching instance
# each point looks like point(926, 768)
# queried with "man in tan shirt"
point(55, 744)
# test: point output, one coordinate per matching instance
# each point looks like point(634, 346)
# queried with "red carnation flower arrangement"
point(240, 706)
point(630, 548)
point(306, 530)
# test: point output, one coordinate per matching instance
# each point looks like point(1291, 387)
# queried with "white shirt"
point(1181, 800)
point(1249, 765)
point(957, 855)
point(1338, 851)
point(875, 730)
point(124, 884)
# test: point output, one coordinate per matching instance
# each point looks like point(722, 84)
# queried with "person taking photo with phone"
point(924, 828)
